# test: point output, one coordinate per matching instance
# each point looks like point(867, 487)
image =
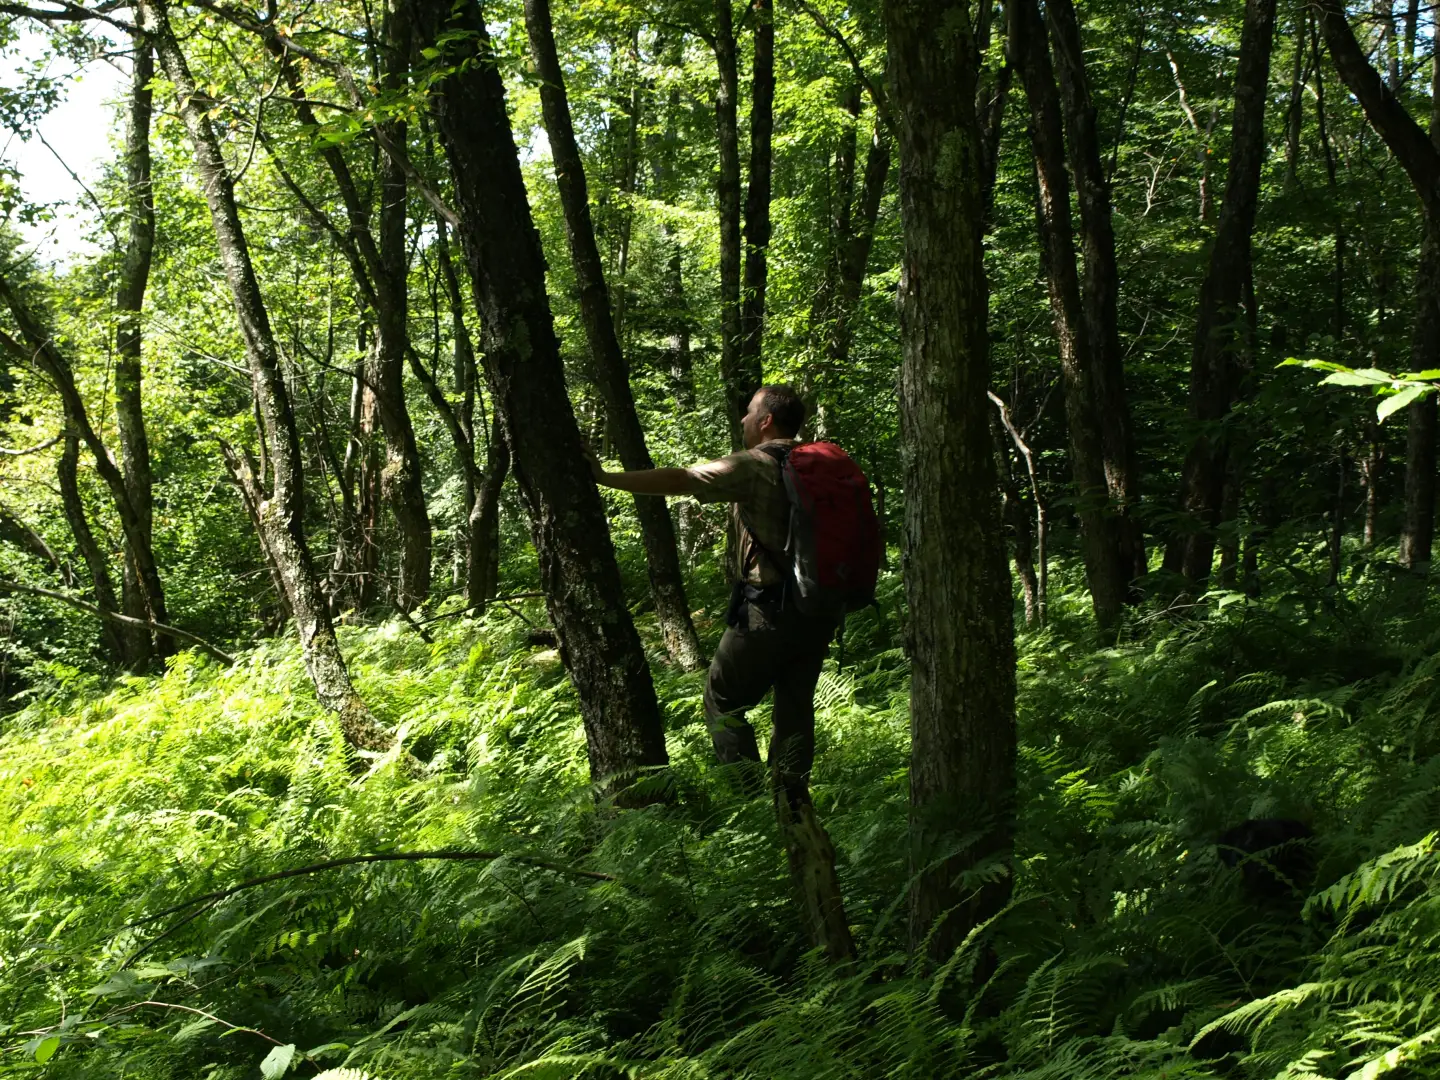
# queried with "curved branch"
point(113, 616)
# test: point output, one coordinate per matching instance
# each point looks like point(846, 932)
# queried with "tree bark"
point(1107, 570)
point(1419, 155)
point(585, 598)
point(962, 692)
point(67, 472)
point(611, 370)
point(402, 477)
point(737, 387)
point(1100, 282)
point(482, 564)
point(129, 300)
point(757, 195)
point(281, 509)
point(1215, 358)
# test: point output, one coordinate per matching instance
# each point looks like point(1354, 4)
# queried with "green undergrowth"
point(1127, 950)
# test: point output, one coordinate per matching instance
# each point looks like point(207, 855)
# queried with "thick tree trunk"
point(129, 300)
point(1215, 358)
point(962, 691)
point(40, 348)
point(611, 371)
point(1107, 570)
point(737, 388)
point(67, 472)
point(586, 601)
point(402, 477)
point(1419, 155)
point(757, 195)
point(281, 510)
point(1100, 283)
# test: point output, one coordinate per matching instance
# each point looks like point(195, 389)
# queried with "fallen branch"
point(352, 860)
point(114, 616)
point(474, 607)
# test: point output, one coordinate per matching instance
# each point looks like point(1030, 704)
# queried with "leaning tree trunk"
point(40, 348)
point(129, 300)
point(962, 691)
point(1419, 155)
point(67, 472)
point(1100, 282)
point(281, 510)
point(736, 386)
point(757, 195)
point(585, 597)
point(1106, 567)
point(1216, 357)
point(612, 372)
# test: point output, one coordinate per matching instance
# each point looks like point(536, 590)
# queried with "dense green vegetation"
point(348, 730)
point(1125, 938)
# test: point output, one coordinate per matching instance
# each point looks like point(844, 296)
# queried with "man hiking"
point(769, 643)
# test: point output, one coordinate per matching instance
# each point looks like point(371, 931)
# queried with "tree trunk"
point(1295, 114)
point(281, 510)
point(95, 562)
point(1215, 360)
point(1100, 283)
point(1419, 155)
point(402, 478)
point(611, 371)
point(129, 300)
point(757, 195)
point(586, 601)
point(962, 691)
point(40, 348)
point(737, 387)
point(1017, 523)
point(482, 563)
point(1106, 569)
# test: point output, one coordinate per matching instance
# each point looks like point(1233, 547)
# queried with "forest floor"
point(1129, 949)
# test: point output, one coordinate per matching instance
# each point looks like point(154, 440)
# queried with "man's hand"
point(596, 469)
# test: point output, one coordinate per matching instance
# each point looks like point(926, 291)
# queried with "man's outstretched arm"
point(644, 481)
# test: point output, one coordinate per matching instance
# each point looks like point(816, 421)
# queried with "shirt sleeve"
point(727, 479)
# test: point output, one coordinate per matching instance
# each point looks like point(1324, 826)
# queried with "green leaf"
point(1395, 402)
point(46, 1049)
point(277, 1062)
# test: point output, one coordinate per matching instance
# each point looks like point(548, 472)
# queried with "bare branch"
point(37, 448)
point(159, 628)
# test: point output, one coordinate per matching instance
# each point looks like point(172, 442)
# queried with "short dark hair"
point(785, 407)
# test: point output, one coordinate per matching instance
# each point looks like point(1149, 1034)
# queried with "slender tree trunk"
point(95, 561)
point(482, 563)
point(1017, 523)
point(1337, 521)
point(1295, 114)
point(281, 510)
point(612, 372)
point(129, 300)
point(41, 349)
point(1100, 282)
point(1215, 362)
point(962, 691)
point(737, 387)
point(1418, 153)
point(586, 601)
point(1107, 569)
point(757, 195)
point(402, 477)
point(855, 251)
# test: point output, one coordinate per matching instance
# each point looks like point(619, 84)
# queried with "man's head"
point(775, 412)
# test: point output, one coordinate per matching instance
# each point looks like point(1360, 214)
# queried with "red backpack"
point(833, 548)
